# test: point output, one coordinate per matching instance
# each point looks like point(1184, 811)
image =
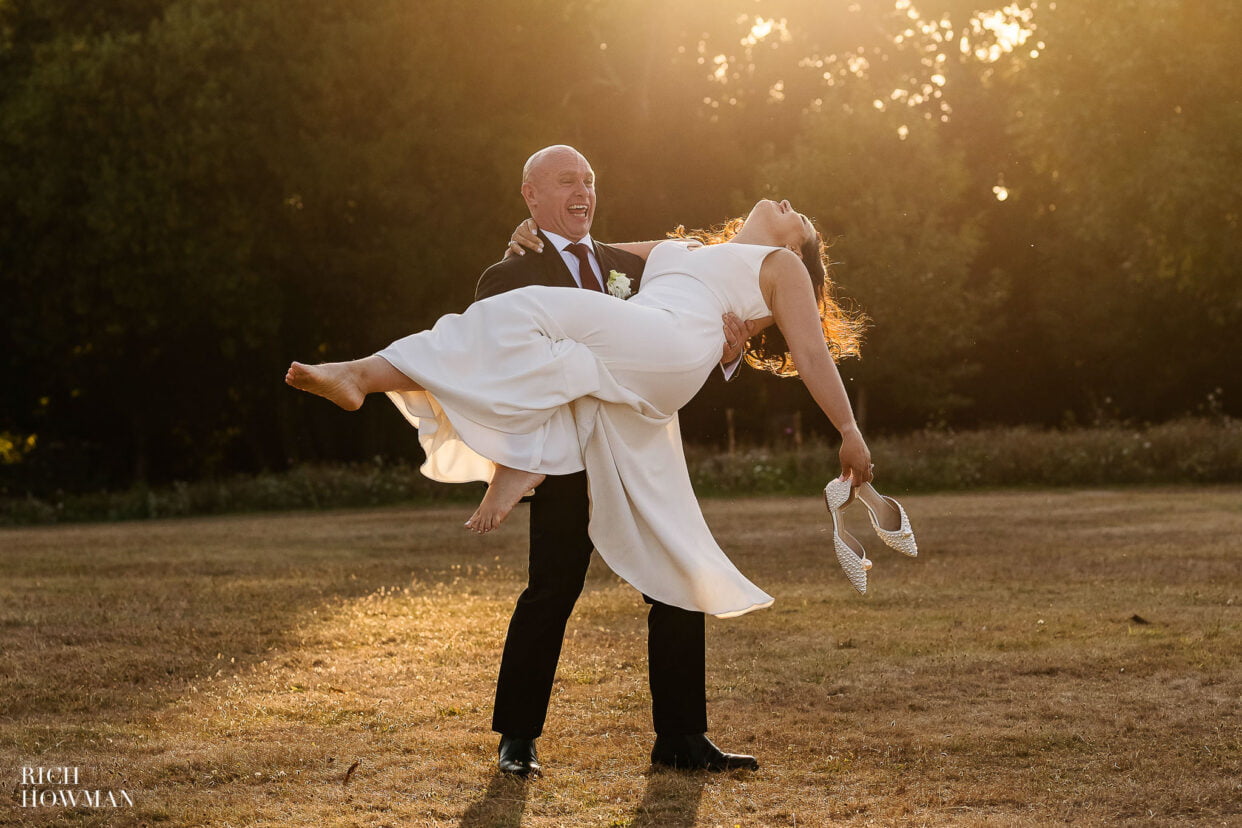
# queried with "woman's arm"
point(793, 305)
point(640, 249)
point(525, 238)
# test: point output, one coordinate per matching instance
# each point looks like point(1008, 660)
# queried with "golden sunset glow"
point(984, 37)
point(247, 605)
point(941, 46)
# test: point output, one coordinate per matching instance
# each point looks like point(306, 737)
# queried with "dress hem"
point(751, 608)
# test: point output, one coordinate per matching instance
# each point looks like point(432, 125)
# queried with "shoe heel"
point(850, 553)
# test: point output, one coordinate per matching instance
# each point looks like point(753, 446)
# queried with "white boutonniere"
point(619, 284)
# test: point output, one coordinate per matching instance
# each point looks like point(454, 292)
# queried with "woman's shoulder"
point(780, 263)
point(761, 256)
point(779, 256)
point(684, 244)
point(662, 251)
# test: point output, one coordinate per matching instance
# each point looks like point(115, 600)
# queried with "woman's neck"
point(754, 235)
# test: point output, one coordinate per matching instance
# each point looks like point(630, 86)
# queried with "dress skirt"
point(555, 380)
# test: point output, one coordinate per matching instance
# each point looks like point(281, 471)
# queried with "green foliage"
point(308, 486)
point(1132, 124)
point(904, 251)
point(1198, 450)
point(1192, 450)
point(195, 192)
point(206, 199)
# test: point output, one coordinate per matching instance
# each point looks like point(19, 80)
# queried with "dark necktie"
point(585, 273)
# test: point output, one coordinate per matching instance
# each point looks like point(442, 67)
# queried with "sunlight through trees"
point(1035, 203)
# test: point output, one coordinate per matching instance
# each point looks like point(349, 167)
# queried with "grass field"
point(1051, 657)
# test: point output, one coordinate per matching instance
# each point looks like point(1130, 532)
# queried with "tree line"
point(1037, 206)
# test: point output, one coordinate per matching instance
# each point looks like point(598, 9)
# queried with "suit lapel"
point(555, 269)
point(604, 253)
point(608, 261)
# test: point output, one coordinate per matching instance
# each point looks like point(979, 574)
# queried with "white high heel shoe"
point(889, 520)
point(850, 553)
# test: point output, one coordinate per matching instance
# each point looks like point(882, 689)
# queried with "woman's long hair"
point(767, 350)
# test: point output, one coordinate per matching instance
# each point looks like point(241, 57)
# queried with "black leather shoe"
point(518, 757)
point(697, 753)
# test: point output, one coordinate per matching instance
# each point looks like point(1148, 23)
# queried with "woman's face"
point(787, 227)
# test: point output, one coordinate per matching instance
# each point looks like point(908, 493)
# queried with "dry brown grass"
point(229, 671)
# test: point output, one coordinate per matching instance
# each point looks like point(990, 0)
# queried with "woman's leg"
point(348, 383)
point(503, 493)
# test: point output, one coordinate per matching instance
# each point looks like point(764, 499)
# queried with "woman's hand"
point(855, 457)
point(524, 238)
point(735, 334)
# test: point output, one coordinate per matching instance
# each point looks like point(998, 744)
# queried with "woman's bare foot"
point(335, 381)
point(506, 489)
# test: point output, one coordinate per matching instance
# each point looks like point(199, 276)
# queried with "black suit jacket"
point(548, 268)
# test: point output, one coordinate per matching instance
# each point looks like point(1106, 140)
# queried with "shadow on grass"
point(671, 800)
point(156, 608)
point(500, 806)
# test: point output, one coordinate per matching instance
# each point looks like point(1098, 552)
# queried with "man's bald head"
point(559, 187)
point(557, 153)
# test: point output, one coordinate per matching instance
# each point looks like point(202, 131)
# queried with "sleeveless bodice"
point(730, 272)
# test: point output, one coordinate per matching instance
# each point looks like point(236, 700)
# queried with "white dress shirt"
point(571, 261)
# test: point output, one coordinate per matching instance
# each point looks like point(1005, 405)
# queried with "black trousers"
point(560, 552)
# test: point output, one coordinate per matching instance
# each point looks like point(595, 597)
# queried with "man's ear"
point(528, 194)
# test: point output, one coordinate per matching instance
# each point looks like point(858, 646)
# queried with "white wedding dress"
point(555, 380)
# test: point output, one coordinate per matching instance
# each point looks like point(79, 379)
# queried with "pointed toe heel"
point(889, 519)
point(850, 553)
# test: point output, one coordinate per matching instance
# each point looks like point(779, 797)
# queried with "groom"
point(559, 188)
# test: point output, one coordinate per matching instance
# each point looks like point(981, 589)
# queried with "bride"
point(546, 380)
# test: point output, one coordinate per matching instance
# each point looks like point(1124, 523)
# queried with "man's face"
point(560, 193)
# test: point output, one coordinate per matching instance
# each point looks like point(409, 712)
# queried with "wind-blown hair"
point(767, 350)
